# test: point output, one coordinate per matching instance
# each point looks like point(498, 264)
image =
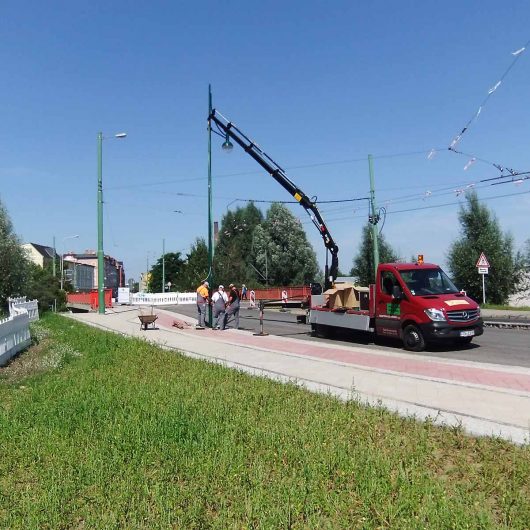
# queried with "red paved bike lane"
point(454, 371)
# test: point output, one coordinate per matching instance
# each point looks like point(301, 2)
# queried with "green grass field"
point(100, 431)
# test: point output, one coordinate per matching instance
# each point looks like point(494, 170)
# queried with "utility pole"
point(374, 217)
point(210, 232)
point(163, 265)
point(266, 270)
point(54, 257)
point(101, 262)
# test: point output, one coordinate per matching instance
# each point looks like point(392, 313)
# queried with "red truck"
point(416, 303)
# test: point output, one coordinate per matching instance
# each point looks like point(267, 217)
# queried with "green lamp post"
point(101, 262)
point(210, 231)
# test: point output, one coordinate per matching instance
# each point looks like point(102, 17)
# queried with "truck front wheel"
point(413, 338)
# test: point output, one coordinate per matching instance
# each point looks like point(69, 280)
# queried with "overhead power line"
point(516, 55)
point(349, 218)
point(244, 173)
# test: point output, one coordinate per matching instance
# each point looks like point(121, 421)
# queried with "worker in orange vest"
point(203, 300)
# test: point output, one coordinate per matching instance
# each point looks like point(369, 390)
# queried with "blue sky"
point(317, 85)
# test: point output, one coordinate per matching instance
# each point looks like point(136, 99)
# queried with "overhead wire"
point(517, 54)
point(244, 173)
point(427, 207)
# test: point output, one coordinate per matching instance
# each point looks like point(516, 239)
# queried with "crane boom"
point(229, 130)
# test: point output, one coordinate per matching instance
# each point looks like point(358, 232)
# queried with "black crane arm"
point(229, 130)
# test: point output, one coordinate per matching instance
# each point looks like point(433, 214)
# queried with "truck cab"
point(419, 304)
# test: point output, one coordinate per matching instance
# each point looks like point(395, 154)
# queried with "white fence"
point(31, 306)
point(14, 335)
point(14, 330)
point(162, 298)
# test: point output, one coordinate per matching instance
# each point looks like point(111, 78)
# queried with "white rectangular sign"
point(483, 270)
point(124, 296)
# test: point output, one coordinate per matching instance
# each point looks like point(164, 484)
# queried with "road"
point(499, 346)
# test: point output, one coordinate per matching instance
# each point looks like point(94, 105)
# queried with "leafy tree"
point(525, 256)
point(363, 262)
point(43, 286)
point(174, 271)
point(522, 291)
point(480, 232)
point(13, 261)
point(233, 252)
point(196, 269)
point(281, 248)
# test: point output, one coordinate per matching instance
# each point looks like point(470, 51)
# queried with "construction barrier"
point(18, 304)
point(14, 335)
point(163, 298)
point(88, 299)
point(275, 293)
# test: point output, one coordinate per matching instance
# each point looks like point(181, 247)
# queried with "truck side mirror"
point(397, 293)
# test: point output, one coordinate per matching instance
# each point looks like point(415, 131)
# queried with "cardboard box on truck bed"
point(347, 296)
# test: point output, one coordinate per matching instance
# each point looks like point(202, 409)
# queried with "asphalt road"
point(509, 347)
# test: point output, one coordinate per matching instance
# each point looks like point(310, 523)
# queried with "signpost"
point(483, 269)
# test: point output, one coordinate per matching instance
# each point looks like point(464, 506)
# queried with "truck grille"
point(463, 316)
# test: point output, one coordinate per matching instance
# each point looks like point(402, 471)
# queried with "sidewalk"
point(484, 398)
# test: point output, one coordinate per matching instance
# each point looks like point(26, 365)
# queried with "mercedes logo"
point(465, 315)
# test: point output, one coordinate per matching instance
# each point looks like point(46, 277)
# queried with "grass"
point(100, 431)
point(505, 307)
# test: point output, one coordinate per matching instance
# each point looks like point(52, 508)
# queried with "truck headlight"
point(435, 314)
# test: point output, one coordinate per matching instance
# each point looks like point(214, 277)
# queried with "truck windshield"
point(424, 282)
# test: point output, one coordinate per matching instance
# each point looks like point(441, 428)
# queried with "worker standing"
point(232, 309)
point(219, 301)
point(284, 299)
point(252, 298)
point(203, 299)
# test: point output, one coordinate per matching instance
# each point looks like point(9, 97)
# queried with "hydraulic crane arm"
point(229, 130)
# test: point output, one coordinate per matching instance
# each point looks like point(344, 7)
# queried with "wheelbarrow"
point(146, 320)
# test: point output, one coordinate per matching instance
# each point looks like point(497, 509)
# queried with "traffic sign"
point(482, 261)
point(483, 270)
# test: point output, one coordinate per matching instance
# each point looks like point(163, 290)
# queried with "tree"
point(281, 249)
point(43, 286)
point(522, 291)
point(363, 263)
point(233, 252)
point(480, 232)
point(13, 261)
point(174, 271)
point(196, 269)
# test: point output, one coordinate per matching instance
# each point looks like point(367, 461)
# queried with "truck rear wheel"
point(413, 338)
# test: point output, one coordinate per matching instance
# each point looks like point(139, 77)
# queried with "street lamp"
point(62, 257)
point(101, 265)
point(227, 144)
point(210, 230)
point(227, 148)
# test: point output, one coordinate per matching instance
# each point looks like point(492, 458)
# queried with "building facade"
point(79, 274)
point(114, 272)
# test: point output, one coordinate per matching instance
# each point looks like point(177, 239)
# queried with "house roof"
point(47, 252)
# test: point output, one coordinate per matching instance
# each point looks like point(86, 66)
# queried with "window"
point(388, 280)
point(424, 282)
